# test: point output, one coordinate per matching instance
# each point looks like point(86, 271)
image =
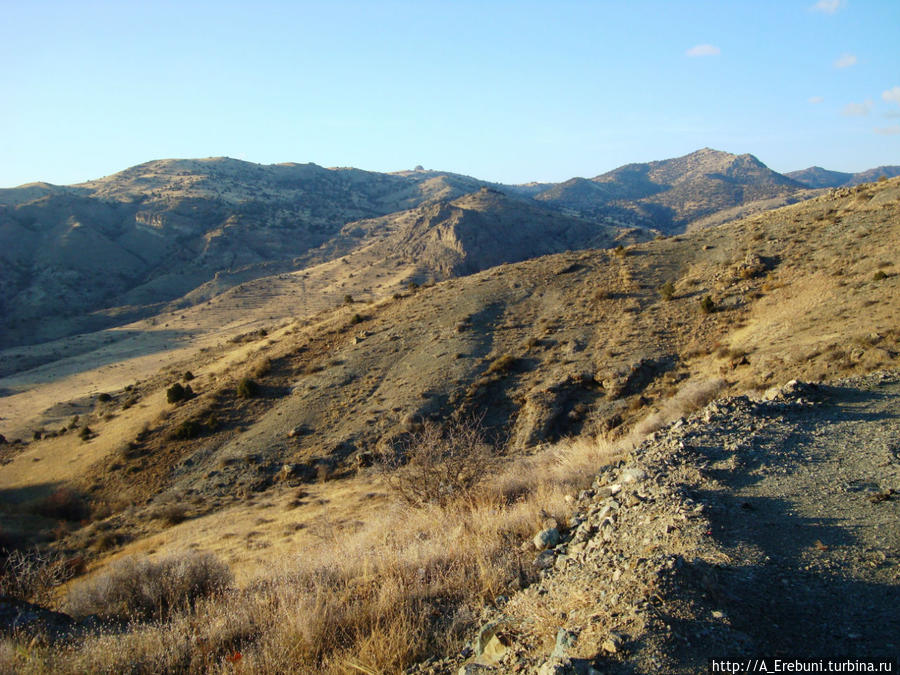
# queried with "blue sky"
point(505, 91)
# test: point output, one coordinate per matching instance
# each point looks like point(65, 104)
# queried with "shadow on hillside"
point(815, 592)
point(52, 363)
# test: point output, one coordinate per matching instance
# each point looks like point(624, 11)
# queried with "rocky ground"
point(763, 527)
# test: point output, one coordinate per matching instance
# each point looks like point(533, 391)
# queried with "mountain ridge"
point(159, 230)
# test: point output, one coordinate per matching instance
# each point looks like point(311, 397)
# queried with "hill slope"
point(672, 193)
point(817, 177)
point(122, 247)
point(590, 344)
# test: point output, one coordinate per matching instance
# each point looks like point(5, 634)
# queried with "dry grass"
point(407, 584)
point(692, 395)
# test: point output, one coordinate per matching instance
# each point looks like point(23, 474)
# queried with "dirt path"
point(802, 506)
point(755, 528)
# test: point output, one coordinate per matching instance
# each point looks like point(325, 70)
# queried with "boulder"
point(547, 538)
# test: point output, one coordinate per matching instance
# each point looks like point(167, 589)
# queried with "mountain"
point(487, 228)
point(670, 194)
point(309, 429)
point(872, 175)
point(817, 177)
point(122, 247)
point(372, 460)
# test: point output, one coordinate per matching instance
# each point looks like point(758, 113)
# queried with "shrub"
point(437, 465)
point(172, 513)
point(620, 251)
point(65, 504)
point(667, 290)
point(247, 388)
point(355, 319)
point(348, 299)
point(187, 430)
point(707, 306)
point(177, 393)
point(150, 589)
point(85, 433)
point(503, 364)
point(104, 398)
point(262, 367)
point(34, 575)
point(188, 376)
point(879, 275)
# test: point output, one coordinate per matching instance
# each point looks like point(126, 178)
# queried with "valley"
point(326, 320)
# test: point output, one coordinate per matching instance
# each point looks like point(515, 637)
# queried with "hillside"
point(577, 351)
point(167, 233)
point(670, 194)
point(817, 177)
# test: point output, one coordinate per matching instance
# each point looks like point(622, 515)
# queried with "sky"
point(509, 91)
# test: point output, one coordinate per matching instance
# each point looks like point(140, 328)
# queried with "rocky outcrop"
point(714, 522)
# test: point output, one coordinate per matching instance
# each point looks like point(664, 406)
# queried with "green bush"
point(187, 430)
point(104, 398)
point(503, 364)
point(707, 306)
point(879, 275)
point(247, 388)
point(177, 393)
point(188, 376)
point(667, 290)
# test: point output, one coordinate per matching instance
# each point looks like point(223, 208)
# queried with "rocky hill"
point(670, 194)
point(779, 506)
point(311, 391)
point(817, 177)
point(112, 250)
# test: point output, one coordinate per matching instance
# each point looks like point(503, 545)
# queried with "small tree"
point(177, 393)
point(667, 290)
point(247, 388)
point(437, 464)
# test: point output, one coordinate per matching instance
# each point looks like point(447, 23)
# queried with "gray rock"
point(556, 666)
point(544, 560)
point(18, 616)
point(614, 643)
point(565, 640)
point(547, 538)
point(632, 475)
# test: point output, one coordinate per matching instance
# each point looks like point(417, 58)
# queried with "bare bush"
point(150, 589)
point(63, 503)
point(693, 395)
point(437, 464)
point(34, 575)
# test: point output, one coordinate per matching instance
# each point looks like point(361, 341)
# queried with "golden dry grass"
point(409, 583)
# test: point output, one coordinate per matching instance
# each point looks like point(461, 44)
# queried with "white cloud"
point(828, 6)
point(891, 95)
point(845, 61)
point(815, 99)
point(888, 131)
point(857, 109)
point(703, 50)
